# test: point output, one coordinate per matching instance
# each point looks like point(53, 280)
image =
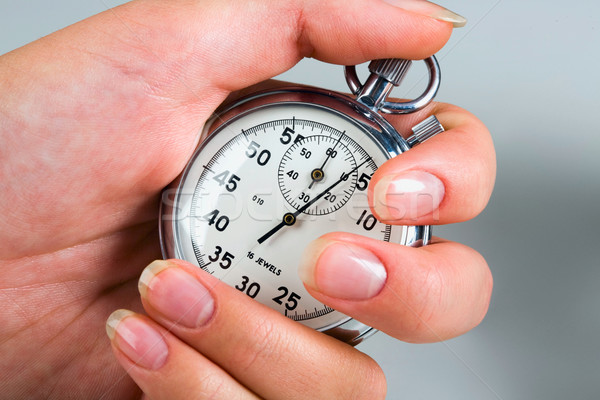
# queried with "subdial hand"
point(290, 218)
point(318, 174)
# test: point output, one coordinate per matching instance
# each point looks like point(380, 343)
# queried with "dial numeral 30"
point(250, 288)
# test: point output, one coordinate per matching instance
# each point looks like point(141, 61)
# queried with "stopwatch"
point(280, 168)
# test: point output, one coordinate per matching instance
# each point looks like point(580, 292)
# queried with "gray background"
point(528, 70)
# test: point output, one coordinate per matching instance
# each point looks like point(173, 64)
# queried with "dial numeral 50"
point(263, 157)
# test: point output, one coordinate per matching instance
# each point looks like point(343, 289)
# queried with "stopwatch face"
point(269, 179)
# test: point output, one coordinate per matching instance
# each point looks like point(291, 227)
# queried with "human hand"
point(99, 117)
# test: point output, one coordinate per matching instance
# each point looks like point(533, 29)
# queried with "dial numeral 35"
point(226, 258)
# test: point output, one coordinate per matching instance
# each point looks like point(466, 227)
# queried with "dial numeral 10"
point(367, 219)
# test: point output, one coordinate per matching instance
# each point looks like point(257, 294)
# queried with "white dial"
point(281, 168)
point(264, 185)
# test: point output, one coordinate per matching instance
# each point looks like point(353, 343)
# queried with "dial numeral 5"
point(363, 182)
point(286, 136)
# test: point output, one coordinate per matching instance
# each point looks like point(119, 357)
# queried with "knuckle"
point(369, 382)
point(210, 386)
point(263, 346)
point(427, 294)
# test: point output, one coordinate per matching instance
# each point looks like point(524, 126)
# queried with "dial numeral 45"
point(229, 180)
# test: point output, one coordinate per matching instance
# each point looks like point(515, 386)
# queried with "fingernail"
point(430, 9)
point(407, 196)
point(139, 341)
point(342, 270)
point(177, 295)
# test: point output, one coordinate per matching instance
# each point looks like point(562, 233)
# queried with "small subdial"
point(313, 164)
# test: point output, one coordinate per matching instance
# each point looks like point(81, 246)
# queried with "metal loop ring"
point(392, 107)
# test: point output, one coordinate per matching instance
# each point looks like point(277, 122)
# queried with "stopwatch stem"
point(385, 75)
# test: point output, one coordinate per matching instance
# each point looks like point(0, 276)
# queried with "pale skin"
point(97, 118)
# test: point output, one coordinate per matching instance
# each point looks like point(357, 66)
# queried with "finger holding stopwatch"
point(418, 295)
point(237, 348)
point(415, 294)
point(447, 179)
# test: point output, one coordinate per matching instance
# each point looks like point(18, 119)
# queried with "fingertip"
point(342, 270)
point(309, 259)
point(461, 162)
point(113, 321)
point(138, 340)
point(407, 196)
point(432, 10)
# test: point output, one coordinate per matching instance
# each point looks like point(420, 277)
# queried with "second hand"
point(290, 218)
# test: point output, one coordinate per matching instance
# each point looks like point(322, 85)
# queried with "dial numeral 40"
point(220, 222)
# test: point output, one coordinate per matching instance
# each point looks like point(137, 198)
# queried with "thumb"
point(183, 47)
point(111, 107)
